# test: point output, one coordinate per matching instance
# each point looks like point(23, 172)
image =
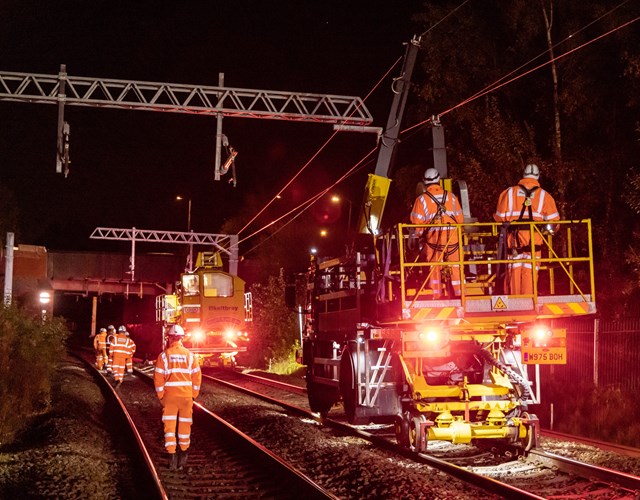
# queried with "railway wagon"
point(214, 310)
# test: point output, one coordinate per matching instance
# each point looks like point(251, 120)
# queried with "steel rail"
point(602, 445)
point(294, 479)
point(587, 471)
point(488, 484)
point(153, 477)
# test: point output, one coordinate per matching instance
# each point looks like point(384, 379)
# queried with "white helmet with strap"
point(431, 176)
point(531, 171)
point(175, 331)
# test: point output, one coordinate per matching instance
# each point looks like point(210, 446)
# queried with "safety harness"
point(447, 250)
point(511, 245)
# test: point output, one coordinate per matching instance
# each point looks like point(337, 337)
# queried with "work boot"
point(182, 461)
point(173, 465)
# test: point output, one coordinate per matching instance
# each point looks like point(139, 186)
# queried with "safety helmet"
point(102, 330)
point(531, 171)
point(111, 327)
point(431, 176)
point(175, 331)
point(122, 328)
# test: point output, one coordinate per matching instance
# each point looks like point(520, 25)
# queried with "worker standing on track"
point(100, 347)
point(118, 353)
point(526, 201)
point(111, 338)
point(177, 379)
point(442, 209)
point(132, 350)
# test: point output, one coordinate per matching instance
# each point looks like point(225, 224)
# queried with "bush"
point(29, 351)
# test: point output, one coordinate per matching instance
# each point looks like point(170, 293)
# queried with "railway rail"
point(227, 463)
point(539, 475)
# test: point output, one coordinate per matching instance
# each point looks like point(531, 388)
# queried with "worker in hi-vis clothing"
point(177, 379)
point(118, 353)
point(111, 338)
point(440, 208)
point(526, 201)
point(132, 350)
point(100, 347)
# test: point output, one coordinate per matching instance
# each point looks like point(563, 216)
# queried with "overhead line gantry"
point(345, 112)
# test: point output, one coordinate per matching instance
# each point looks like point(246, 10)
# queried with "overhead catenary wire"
point(496, 85)
point(318, 151)
point(337, 128)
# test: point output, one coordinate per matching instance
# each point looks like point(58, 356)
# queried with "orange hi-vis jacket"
point(512, 201)
point(122, 347)
point(177, 373)
point(447, 210)
point(100, 341)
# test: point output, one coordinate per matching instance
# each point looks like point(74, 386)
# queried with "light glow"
point(197, 335)
point(430, 335)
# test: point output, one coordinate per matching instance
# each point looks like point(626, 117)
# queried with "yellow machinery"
point(446, 369)
point(212, 308)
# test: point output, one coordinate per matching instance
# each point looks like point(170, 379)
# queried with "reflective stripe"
point(159, 370)
point(190, 420)
point(184, 436)
point(169, 443)
point(170, 434)
point(169, 417)
point(160, 388)
point(177, 370)
point(196, 387)
point(180, 383)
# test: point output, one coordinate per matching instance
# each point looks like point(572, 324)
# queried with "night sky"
point(128, 166)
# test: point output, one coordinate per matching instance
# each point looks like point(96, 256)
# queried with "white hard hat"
point(103, 330)
point(175, 331)
point(122, 328)
point(431, 176)
point(531, 171)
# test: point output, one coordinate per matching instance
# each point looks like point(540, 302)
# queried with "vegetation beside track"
point(30, 349)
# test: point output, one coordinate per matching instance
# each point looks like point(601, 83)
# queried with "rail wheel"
point(321, 397)
point(401, 425)
point(528, 442)
point(417, 441)
point(349, 389)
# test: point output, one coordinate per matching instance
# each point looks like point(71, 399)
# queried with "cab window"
point(191, 284)
point(218, 285)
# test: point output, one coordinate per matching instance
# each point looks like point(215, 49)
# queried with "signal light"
point(430, 335)
point(230, 334)
point(541, 336)
point(197, 336)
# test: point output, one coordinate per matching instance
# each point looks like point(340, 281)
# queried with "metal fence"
point(599, 352)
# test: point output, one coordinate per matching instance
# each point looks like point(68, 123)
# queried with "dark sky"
point(128, 166)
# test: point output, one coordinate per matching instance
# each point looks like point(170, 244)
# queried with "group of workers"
point(177, 378)
point(526, 201)
point(114, 352)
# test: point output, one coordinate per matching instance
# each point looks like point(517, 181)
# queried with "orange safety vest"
point(436, 206)
point(177, 372)
point(100, 341)
point(513, 204)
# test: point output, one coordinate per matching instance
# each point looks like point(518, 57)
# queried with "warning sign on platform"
point(499, 303)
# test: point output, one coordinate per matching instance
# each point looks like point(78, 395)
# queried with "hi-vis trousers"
point(177, 410)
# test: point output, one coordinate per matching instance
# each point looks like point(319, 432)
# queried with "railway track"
point(225, 463)
point(541, 474)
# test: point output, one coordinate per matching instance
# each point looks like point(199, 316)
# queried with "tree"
point(575, 118)
point(274, 328)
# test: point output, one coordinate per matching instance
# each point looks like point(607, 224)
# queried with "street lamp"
point(337, 199)
point(180, 198)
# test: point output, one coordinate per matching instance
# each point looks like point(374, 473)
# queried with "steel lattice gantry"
point(181, 98)
point(345, 112)
point(224, 243)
